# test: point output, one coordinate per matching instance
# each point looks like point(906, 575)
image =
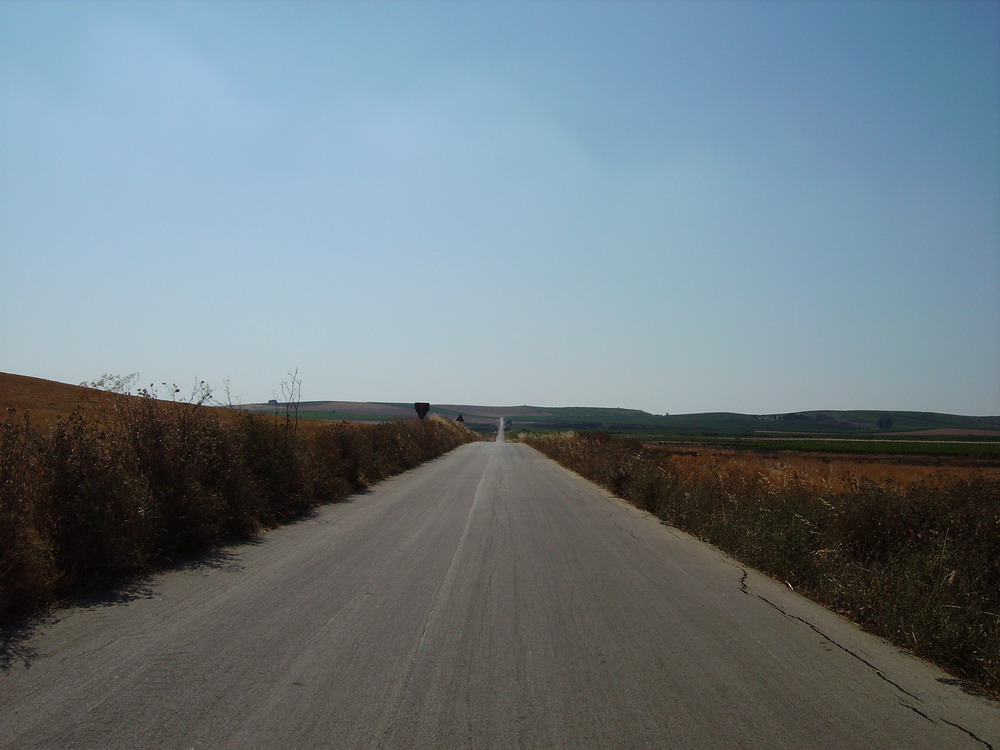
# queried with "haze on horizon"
point(672, 206)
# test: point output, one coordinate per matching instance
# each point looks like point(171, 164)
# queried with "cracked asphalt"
point(488, 599)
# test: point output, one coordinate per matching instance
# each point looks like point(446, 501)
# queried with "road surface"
point(488, 599)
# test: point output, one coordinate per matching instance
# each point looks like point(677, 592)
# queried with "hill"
point(47, 399)
point(582, 418)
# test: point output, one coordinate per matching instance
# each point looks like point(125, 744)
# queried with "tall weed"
point(88, 502)
point(27, 562)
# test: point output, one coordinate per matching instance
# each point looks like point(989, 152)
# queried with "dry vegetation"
point(911, 552)
point(126, 483)
point(833, 472)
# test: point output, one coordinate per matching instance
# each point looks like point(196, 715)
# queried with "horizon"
point(620, 408)
point(677, 207)
point(454, 404)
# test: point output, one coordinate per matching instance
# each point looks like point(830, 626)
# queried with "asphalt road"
point(488, 599)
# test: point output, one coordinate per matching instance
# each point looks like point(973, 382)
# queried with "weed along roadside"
point(918, 564)
point(92, 499)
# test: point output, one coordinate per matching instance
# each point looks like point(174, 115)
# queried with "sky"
point(671, 206)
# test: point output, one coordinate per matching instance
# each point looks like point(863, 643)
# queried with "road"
point(488, 599)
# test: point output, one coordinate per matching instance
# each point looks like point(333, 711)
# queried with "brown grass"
point(47, 400)
point(835, 471)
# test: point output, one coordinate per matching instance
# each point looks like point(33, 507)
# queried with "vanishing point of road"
point(488, 599)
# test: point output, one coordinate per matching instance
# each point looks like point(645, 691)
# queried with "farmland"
point(916, 434)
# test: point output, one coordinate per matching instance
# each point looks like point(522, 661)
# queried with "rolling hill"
point(830, 422)
point(47, 399)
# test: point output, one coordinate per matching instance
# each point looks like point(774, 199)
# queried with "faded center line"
point(445, 582)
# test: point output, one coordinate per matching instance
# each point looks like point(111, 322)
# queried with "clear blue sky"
point(672, 206)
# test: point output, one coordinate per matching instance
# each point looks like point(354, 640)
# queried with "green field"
point(807, 421)
point(820, 431)
point(810, 422)
point(338, 416)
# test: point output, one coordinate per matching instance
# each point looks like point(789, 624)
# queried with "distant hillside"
point(48, 399)
point(728, 423)
point(384, 411)
point(584, 418)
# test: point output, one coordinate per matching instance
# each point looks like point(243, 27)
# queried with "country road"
point(488, 599)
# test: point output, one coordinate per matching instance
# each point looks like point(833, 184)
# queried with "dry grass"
point(833, 472)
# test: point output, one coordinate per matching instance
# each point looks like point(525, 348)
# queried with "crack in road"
point(745, 589)
point(916, 711)
point(627, 531)
point(843, 648)
point(971, 734)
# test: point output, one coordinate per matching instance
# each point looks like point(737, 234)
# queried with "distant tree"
point(884, 423)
